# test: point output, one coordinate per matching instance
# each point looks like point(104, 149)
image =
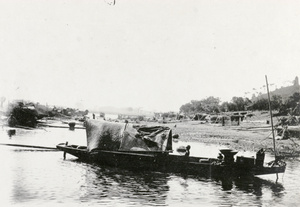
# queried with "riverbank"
point(251, 135)
point(248, 136)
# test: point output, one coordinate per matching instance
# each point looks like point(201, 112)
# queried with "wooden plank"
point(30, 146)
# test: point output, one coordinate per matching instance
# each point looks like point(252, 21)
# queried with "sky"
point(155, 55)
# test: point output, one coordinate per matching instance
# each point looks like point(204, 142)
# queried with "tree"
point(232, 106)
point(170, 114)
point(293, 100)
point(276, 102)
point(208, 105)
point(211, 104)
point(291, 105)
point(224, 107)
point(239, 102)
point(186, 108)
point(261, 104)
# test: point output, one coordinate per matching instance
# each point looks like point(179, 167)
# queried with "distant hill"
point(284, 92)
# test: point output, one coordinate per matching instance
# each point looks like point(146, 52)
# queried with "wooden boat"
point(168, 162)
point(150, 148)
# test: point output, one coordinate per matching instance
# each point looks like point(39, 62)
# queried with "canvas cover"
point(121, 136)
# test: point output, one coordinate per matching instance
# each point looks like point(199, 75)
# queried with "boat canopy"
point(127, 137)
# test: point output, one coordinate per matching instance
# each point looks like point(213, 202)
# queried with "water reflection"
point(151, 188)
point(248, 191)
point(248, 184)
point(255, 185)
point(110, 183)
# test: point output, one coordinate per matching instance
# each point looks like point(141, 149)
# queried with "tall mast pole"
point(271, 115)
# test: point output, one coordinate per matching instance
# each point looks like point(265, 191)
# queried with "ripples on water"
point(32, 177)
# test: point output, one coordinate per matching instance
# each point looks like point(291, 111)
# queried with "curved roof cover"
point(127, 137)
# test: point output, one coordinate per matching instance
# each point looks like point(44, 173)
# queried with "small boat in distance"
point(150, 148)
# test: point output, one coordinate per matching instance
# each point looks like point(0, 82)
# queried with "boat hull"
point(165, 162)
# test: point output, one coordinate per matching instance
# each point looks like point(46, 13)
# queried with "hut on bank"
point(200, 117)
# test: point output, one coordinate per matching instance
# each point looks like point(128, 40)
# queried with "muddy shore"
point(249, 135)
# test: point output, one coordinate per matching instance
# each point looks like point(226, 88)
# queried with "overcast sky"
point(157, 55)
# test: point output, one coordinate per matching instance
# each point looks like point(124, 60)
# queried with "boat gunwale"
point(210, 162)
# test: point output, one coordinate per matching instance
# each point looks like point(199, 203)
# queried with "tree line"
point(213, 105)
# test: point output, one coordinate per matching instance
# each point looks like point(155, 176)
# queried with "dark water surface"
point(33, 177)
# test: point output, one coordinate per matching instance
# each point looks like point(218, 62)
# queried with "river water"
point(36, 177)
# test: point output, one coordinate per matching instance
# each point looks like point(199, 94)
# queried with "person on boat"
point(260, 157)
point(187, 152)
point(220, 157)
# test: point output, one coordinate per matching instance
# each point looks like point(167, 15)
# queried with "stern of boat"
point(275, 166)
